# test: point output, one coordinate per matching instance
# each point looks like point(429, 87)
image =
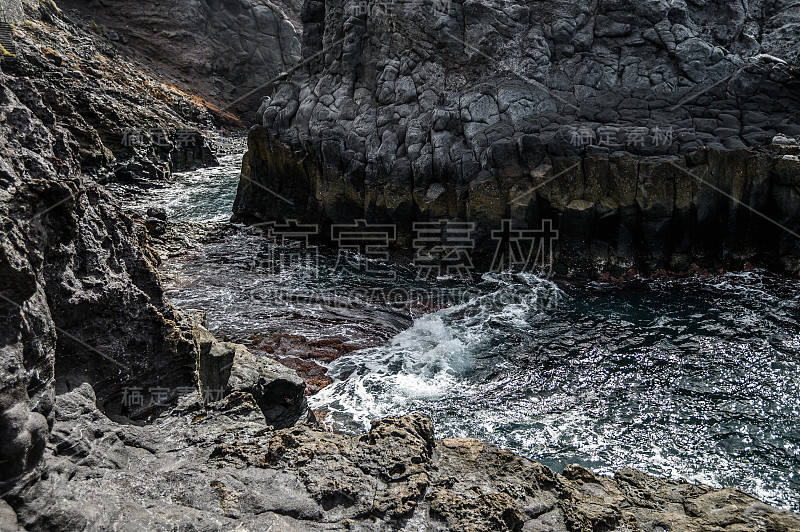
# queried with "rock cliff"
point(118, 411)
point(80, 295)
point(649, 132)
point(87, 334)
point(228, 50)
point(126, 121)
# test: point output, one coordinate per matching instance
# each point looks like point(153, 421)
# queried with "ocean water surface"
point(695, 379)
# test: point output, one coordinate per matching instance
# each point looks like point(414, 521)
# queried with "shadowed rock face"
point(231, 368)
point(127, 122)
point(605, 116)
point(227, 50)
point(80, 299)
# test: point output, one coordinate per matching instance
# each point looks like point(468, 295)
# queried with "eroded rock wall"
point(648, 131)
point(80, 296)
point(81, 300)
point(227, 50)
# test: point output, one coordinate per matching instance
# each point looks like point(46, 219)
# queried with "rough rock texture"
point(80, 297)
point(225, 368)
point(227, 50)
point(127, 122)
point(220, 468)
point(589, 113)
point(85, 323)
point(81, 300)
point(82, 303)
point(12, 11)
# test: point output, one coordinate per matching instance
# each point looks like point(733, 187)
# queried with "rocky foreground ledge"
point(222, 467)
point(242, 451)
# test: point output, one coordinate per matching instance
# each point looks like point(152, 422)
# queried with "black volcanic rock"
point(647, 131)
point(220, 468)
point(226, 368)
point(228, 51)
point(127, 122)
point(81, 299)
point(85, 324)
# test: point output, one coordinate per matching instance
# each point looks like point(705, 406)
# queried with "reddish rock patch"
point(305, 357)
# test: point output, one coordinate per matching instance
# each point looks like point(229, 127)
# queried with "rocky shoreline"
point(120, 412)
point(220, 466)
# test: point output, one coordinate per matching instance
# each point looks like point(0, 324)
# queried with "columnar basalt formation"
point(648, 131)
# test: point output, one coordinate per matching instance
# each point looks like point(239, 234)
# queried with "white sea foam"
point(436, 354)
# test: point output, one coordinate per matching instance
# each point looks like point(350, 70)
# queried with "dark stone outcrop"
point(84, 316)
point(228, 51)
point(80, 297)
point(649, 132)
point(222, 469)
point(225, 368)
point(127, 122)
point(85, 323)
point(81, 300)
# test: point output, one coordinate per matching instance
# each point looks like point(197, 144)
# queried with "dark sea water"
point(694, 379)
point(204, 195)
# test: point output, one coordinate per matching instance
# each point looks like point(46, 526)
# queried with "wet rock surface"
point(277, 390)
point(308, 358)
point(648, 133)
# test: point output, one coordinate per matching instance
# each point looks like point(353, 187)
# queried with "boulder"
point(226, 368)
point(277, 390)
